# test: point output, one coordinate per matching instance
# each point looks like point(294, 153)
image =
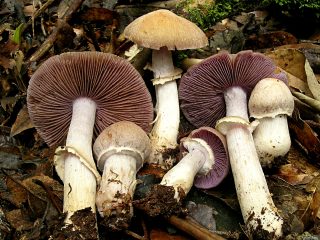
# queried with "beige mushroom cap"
point(125, 137)
point(269, 98)
point(163, 28)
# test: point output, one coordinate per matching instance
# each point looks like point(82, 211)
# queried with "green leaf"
point(17, 34)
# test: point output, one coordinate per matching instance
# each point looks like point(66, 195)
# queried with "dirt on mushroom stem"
point(161, 201)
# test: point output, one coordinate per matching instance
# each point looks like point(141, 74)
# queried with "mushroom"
point(75, 94)
point(204, 164)
point(120, 151)
point(271, 102)
point(218, 87)
point(163, 31)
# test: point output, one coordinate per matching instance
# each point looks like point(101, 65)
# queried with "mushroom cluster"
point(214, 93)
point(74, 96)
point(164, 31)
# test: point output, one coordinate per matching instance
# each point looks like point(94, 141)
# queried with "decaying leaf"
point(313, 83)
point(22, 122)
point(306, 137)
point(293, 175)
point(291, 60)
point(32, 184)
point(314, 188)
point(19, 220)
point(15, 193)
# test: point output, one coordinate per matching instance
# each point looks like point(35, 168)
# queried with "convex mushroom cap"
point(269, 98)
point(75, 95)
point(163, 28)
point(271, 102)
point(122, 137)
point(120, 150)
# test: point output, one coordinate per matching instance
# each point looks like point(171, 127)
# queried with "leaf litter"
point(30, 190)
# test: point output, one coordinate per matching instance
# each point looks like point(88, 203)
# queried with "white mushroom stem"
point(79, 181)
point(165, 130)
point(257, 207)
point(272, 138)
point(117, 184)
point(198, 159)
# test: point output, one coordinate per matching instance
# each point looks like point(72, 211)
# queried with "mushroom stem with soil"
point(120, 150)
point(80, 137)
point(204, 164)
point(71, 98)
point(226, 80)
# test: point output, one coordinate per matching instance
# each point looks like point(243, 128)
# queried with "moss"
point(207, 14)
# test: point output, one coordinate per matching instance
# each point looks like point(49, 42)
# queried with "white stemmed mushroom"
point(204, 164)
point(271, 102)
point(164, 31)
point(218, 87)
point(120, 150)
point(75, 95)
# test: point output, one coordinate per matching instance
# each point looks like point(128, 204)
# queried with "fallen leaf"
point(293, 175)
point(313, 83)
point(291, 60)
point(19, 220)
point(32, 184)
point(306, 137)
point(22, 122)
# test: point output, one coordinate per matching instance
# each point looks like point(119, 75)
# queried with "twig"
point(134, 235)
point(193, 229)
point(69, 7)
point(37, 13)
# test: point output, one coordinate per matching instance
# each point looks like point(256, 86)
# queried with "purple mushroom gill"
point(201, 90)
point(76, 95)
point(116, 87)
point(221, 164)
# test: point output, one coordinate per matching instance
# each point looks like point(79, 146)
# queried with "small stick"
point(196, 231)
point(71, 6)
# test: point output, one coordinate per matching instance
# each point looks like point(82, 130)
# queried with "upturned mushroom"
point(75, 94)
point(218, 87)
point(204, 164)
point(271, 102)
point(163, 31)
point(120, 151)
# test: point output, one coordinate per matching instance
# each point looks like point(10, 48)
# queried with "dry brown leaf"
point(313, 83)
point(293, 175)
point(22, 122)
point(19, 220)
point(37, 190)
point(291, 60)
point(306, 137)
point(15, 193)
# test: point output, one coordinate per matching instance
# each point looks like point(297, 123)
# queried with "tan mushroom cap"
point(125, 137)
point(269, 98)
point(163, 28)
